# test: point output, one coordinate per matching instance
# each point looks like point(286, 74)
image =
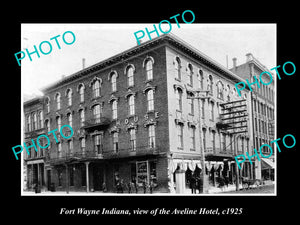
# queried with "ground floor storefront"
point(186, 175)
point(35, 175)
point(132, 175)
point(147, 174)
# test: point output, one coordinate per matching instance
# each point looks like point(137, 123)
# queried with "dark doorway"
point(49, 179)
point(97, 176)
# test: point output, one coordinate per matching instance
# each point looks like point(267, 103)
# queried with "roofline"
point(171, 38)
point(33, 100)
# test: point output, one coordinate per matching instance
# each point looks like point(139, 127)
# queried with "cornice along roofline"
point(161, 40)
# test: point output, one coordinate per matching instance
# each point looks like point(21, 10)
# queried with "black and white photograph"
point(160, 116)
point(145, 112)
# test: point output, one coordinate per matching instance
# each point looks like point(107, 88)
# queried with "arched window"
point(47, 125)
point(149, 69)
point(177, 64)
point(220, 90)
point(150, 99)
point(114, 107)
point(178, 99)
point(58, 99)
point(69, 96)
point(130, 77)
point(41, 119)
point(34, 121)
point(113, 82)
point(47, 101)
point(96, 88)
point(210, 84)
point(228, 93)
point(201, 79)
point(131, 105)
point(81, 92)
point(190, 74)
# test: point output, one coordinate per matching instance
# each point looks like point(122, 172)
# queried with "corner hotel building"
point(132, 120)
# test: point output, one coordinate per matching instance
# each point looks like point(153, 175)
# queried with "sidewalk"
point(212, 190)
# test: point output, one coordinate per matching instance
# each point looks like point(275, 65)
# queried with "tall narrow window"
point(116, 141)
point(204, 138)
point(177, 68)
point(34, 121)
point(190, 74)
point(213, 140)
point(151, 136)
point(179, 99)
point(132, 133)
point(58, 122)
point(180, 135)
point(192, 138)
point(191, 104)
point(212, 111)
point(98, 146)
point(59, 149)
point(149, 69)
point(150, 100)
point(47, 104)
point(82, 117)
point(223, 142)
point(201, 78)
point(96, 88)
point(41, 119)
point(28, 123)
point(82, 145)
point(114, 82)
point(202, 108)
point(131, 105)
point(210, 84)
point(97, 113)
point(220, 90)
point(47, 125)
point(114, 107)
point(57, 97)
point(81, 92)
point(70, 119)
point(70, 147)
point(69, 97)
point(130, 76)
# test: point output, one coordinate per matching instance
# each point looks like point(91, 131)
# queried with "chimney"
point(83, 63)
point(249, 57)
point(234, 63)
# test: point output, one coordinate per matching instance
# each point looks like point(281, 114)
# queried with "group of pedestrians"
point(133, 187)
point(195, 184)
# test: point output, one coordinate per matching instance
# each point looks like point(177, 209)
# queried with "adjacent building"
point(263, 105)
point(34, 163)
point(134, 120)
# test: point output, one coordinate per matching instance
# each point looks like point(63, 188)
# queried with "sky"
point(97, 42)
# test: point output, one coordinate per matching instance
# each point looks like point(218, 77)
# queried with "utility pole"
point(237, 180)
point(196, 95)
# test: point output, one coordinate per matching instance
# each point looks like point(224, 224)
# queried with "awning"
point(267, 164)
point(184, 164)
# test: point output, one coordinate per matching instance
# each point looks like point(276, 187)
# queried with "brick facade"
point(102, 163)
